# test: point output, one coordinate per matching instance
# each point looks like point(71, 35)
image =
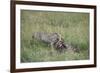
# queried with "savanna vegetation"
point(73, 27)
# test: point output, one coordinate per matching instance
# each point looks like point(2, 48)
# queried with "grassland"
point(73, 27)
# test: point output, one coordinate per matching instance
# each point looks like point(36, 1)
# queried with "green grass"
point(73, 27)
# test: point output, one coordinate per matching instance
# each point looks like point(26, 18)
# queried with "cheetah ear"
point(62, 39)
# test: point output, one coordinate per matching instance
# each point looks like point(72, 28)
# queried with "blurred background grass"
point(73, 27)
